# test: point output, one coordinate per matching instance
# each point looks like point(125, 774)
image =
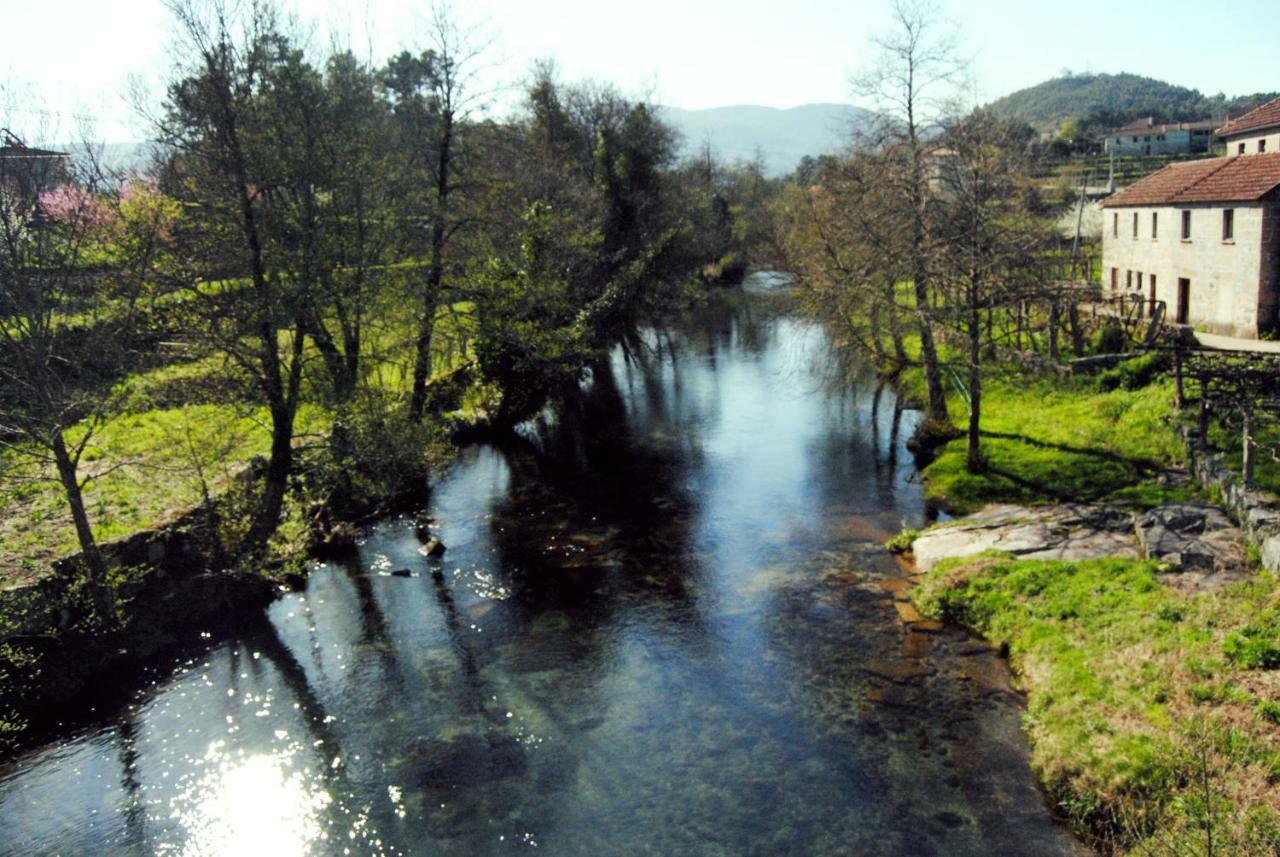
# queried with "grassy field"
point(1152, 714)
point(1053, 439)
point(175, 428)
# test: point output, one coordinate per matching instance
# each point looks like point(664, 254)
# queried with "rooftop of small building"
point(1266, 116)
point(1148, 125)
point(1245, 178)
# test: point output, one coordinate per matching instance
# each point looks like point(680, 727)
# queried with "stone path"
point(1199, 543)
point(1232, 343)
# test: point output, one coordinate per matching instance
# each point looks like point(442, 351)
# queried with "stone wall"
point(170, 561)
point(1257, 511)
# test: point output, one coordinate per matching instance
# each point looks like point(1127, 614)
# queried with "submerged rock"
point(468, 760)
point(433, 548)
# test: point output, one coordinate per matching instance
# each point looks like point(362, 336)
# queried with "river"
point(664, 625)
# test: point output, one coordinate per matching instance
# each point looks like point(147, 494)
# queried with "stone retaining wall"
point(1257, 511)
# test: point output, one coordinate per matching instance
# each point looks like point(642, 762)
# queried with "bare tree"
point(989, 248)
point(911, 83)
point(848, 253)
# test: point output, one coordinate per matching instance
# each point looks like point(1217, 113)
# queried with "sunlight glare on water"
point(237, 804)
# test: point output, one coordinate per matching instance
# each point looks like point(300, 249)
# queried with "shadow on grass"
point(1143, 465)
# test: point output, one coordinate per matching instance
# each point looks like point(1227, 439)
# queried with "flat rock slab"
point(1194, 537)
point(1066, 532)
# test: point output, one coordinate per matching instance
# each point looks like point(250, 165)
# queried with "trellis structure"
point(1231, 382)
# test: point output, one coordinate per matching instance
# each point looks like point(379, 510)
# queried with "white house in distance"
point(1204, 236)
point(1146, 137)
point(1254, 133)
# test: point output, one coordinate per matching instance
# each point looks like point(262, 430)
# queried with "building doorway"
point(1184, 299)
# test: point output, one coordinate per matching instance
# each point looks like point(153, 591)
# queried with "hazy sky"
point(75, 57)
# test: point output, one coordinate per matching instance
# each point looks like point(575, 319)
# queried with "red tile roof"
point(1246, 178)
point(1266, 116)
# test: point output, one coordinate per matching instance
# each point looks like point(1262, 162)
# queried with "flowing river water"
point(664, 626)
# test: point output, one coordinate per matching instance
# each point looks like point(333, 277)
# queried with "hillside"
point(783, 137)
point(1109, 100)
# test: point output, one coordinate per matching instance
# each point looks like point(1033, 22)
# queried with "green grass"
point(1139, 697)
point(176, 421)
point(146, 466)
point(1050, 440)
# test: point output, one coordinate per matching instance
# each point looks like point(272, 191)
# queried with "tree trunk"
point(435, 273)
point(974, 462)
point(936, 407)
point(1077, 332)
point(1055, 314)
point(877, 348)
point(276, 482)
point(95, 564)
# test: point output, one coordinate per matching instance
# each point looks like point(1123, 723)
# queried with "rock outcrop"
point(1193, 537)
point(1198, 542)
point(1044, 532)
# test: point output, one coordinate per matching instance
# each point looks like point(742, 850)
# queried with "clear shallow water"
point(664, 626)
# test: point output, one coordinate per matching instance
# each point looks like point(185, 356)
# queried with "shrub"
point(1253, 647)
point(1133, 374)
point(902, 542)
point(1111, 340)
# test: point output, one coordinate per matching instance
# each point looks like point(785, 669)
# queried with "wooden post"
point(1204, 411)
point(1248, 451)
point(1177, 379)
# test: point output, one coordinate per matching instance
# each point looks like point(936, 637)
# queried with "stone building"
point(1254, 133)
point(1146, 137)
point(1204, 237)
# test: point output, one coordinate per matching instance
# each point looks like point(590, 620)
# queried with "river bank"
point(1148, 662)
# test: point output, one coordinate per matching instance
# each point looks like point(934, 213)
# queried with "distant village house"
point(29, 169)
point(1146, 137)
point(1254, 133)
point(1204, 236)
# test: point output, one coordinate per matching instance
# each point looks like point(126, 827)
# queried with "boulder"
point(1192, 537)
point(433, 548)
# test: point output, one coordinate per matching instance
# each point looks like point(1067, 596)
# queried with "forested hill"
point(780, 137)
point(1097, 101)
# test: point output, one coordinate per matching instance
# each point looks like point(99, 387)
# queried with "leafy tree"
point(228, 171)
point(434, 93)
